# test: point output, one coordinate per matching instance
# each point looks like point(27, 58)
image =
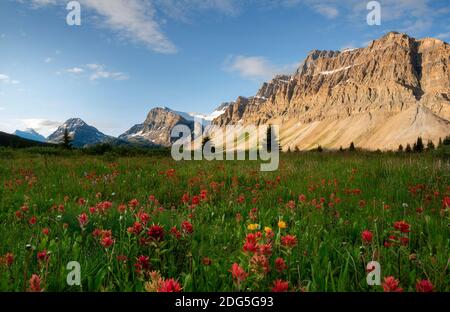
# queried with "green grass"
point(329, 254)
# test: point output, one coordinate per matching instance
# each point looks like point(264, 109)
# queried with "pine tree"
point(400, 148)
point(440, 144)
point(66, 140)
point(418, 146)
point(430, 146)
point(320, 149)
point(341, 149)
point(352, 147)
point(408, 148)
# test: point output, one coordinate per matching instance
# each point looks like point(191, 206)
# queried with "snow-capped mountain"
point(160, 121)
point(81, 133)
point(30, 134)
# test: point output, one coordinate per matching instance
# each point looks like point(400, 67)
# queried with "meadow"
point(148, 223)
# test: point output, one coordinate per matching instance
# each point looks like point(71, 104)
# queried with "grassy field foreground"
point(152, 224)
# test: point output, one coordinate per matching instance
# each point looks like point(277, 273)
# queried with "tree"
point(320, 149)
point(400, 148)
point(418, 146)
point(341, 149)
point(446, 140)
point(352, 147)
point(440, 144)
point(408, 148)
point(430, 146)
point(271, 137)
point(297, 149)
point(66, 140)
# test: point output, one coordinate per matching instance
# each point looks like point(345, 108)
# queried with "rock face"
point(82, 134)
point(381, 96)
point(30, 134)
point(156, 129)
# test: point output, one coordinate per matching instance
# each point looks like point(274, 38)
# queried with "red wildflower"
point(290, 204)
point(142, 264)
point(446, 202)
point(302, 198)
point(81, 201)
point(404, 241)
point(45, 231)
point(280, 264)
point(83, 219)
point(143, 217)
point(238, 273)
point(122, 208)
point(195, 200)
point(280, 286)
point(424, 286)
point(174, 231)
point(136, 229)
point(170, 285)
point(107, 241)
point(185, 198)
point(402, 226)
point(367, 236)
point(42, 256)
point(92, 210)
point(250, 247)
point(362, 203)
point(187, 227)
point(32, 220)
point(390, 284)
point(260, 262)
point(265, 249)
point(35, 283)
point(289, 241)
point(207, 261)
point(133, 203)
point(156, 232)
point(238, 217)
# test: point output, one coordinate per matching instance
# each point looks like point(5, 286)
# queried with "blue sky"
point(129, 56)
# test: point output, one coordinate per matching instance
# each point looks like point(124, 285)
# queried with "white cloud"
point(134, 20)
point(6, 79)
point(75, 70)
point(2, 108)
point(255, 67)
point(48, 60)
point(326, 10)
point(443, 36)
point(97, 72)
point(43, 126)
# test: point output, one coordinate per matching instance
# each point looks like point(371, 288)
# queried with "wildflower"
point(187, 227)
point(32, 220)
point(404, 241)
point(42, 256)
point(35, 283)
point(289, 241)
point(83, 219)
point(122, 208)
point(446, 202)
point(136, 229)
point(402, 226)
point(265, 249)
point(253, 227)
point(282, 224)
point(45, 231)
point(174, 231)
point(133, 203)
point(249, 247)
point(280, 286)
point(302, 198)
point(207, 261)
point(142, 264)
point(260, 262)
point(238, 217)
point(107, 241)
point(290, 204)
point(280, 264)
point(170, 285)
point(367, 236)
point(424, 286)
point(391, 284)
point(238, 273)
point(156, 232)
point(81, 201)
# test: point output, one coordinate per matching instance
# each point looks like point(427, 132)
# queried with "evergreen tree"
point(440, 144)
point(418, 146)
point(400, 148)
point(320, 149)
point(446, 140)
point(341, 149)
point(352, 147)
point(430, 146)
point(66, 140)
point(408, 148)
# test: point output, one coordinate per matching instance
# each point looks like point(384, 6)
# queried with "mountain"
point(82, 134)
point(10, 140)
point(160, 121)
point(30, 134)
point(386, 94)
point(156, 128)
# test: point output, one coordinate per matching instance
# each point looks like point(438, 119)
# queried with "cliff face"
point(389, 93)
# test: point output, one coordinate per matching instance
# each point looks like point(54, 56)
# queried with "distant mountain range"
point(386, 94)
point(154, 131)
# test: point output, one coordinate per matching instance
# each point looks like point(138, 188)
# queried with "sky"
point(129, 56)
